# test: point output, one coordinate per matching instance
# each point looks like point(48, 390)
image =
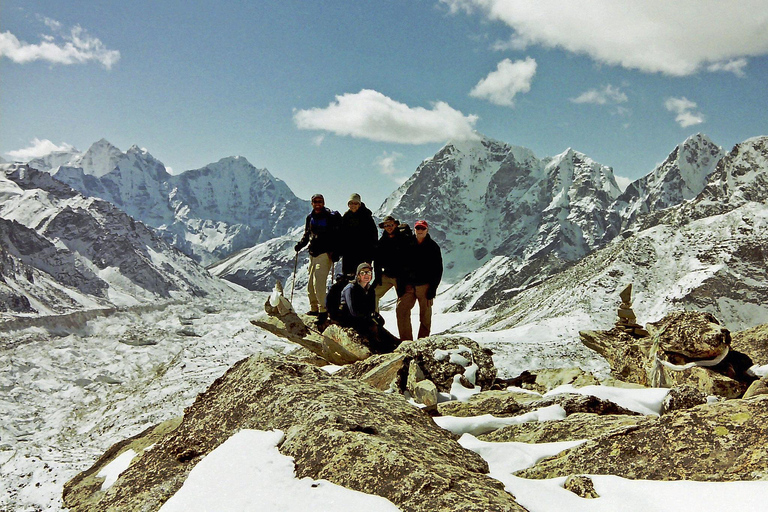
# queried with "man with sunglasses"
point(321, 231)
point(422, 272)
point(389, 253)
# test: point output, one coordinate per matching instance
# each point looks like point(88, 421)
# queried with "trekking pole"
point(295, 266)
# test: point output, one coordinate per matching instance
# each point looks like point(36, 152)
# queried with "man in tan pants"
point(423, 270)
point(321, 231)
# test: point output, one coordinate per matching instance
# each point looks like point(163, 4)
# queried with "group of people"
point(408, 261)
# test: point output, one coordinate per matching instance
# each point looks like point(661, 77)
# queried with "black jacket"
point(357, 238)
point(388, 259)
point(422, 264)
point(321, 231)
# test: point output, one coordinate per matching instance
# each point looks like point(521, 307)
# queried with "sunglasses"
point(388, 226)
point(353, 203)
point(419, 228)
point(318, 201)
point(366, 272)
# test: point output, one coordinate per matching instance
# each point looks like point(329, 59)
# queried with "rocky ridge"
point(208, 213)
point(341, 429)
point(66, 252)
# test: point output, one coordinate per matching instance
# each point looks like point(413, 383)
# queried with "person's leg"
point(403, 312)
point(314, 305)
point(323, 267)
point(380, 290)
point(425, 310)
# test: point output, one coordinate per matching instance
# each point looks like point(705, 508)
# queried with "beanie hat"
point(354, 198)
point(363, 266)
point(318, 196)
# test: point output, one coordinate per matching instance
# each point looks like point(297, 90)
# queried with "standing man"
point(321, 232)
point(358, 236)
point(423, 269)
point(389, 254)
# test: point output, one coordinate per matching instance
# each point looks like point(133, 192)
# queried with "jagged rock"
point(692, 334)
point(548, 379)
point(625, 354)
point(380, 371)
point(425, 392)
point(581, 486)
point(442, 357)
point(682, 397)
point(686, 348)
point(759, 387)
point(724, 441)
point(499, 403)
point(335, 429)
point(752, 342)
point(577, 426)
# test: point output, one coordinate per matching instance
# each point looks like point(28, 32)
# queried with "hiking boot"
point(313, 313)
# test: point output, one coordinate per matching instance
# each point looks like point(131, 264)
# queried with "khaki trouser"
point(381, 289)
point(403, 311)
point(319, 266)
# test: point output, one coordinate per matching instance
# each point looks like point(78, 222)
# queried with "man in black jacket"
point(321, 231)
point(389, 255)
point(358, 236)
point(422, 271)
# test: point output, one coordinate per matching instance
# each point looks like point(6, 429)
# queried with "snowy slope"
point(208, 213)
point(94, 252)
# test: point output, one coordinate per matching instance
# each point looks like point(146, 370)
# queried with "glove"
point(297, 247)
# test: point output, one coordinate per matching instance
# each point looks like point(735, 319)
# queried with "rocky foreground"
point(363, 428)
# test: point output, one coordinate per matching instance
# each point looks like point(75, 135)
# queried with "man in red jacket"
point(423, 269)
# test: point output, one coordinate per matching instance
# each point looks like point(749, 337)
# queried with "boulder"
point(336, 429)
point(758, 388)
point(575, 427)
point(723, 441)
point(752, 342)
point(440, 358)
point(685, 348)
point(581, 486)
point(682, 397)
point(691, 334)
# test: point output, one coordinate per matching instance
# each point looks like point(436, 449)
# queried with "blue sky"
point(350, 96)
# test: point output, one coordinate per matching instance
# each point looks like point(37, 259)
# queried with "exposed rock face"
point(576, 426)
point(692, 334)
point(752, 342)
point(441, 358)
point(581, 486)
point(682, 397)
point(685, 348)
point(336, 429)
point(717, 442)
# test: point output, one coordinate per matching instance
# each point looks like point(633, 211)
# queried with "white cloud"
point(685, 110)
point(510, 78)
point(608, 94)
point(74, 47)
point(657, 36)
point(38, 148)
point(372, 115)
point(387, 166)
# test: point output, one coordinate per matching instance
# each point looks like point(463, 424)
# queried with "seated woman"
point(358, 301)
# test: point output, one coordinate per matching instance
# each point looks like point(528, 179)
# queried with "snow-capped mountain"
point(681, 177)
point(707, 254)
point(63, 251)
point(487, 198)
point(208, 213)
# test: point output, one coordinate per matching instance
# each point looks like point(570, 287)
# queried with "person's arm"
point(304, 239)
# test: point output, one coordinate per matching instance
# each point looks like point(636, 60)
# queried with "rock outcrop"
point(724, 441)
point(336, 429)
point(684, 348)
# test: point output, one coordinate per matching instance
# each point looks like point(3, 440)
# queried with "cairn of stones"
point(627, 320)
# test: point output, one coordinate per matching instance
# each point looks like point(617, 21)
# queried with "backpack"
point(404, 230)
point(333, 299)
